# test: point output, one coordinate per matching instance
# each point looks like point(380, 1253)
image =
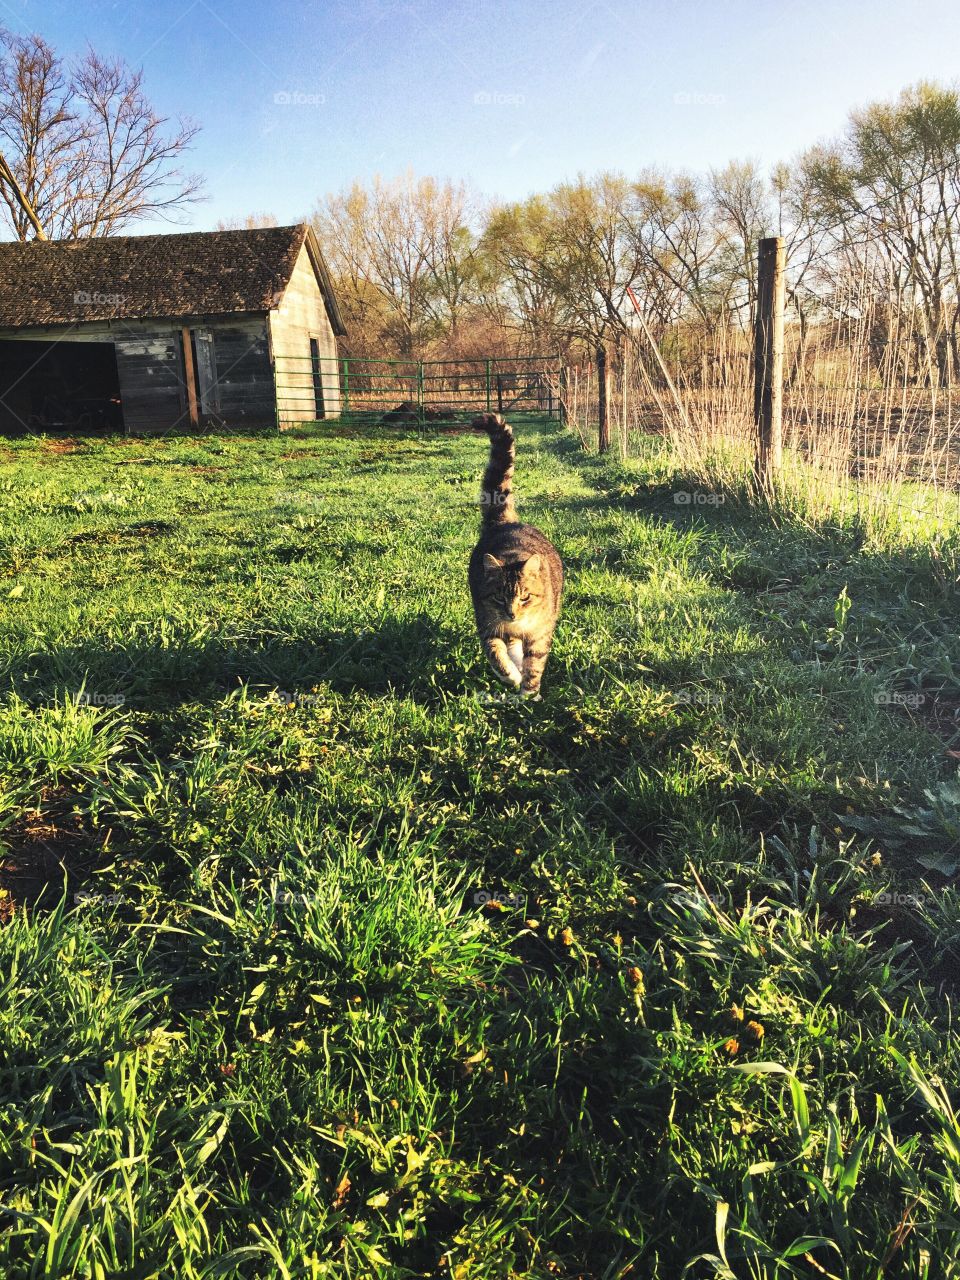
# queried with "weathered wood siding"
point(152, 396)
point(150, 368)
point(244, 372)
point(300, 316)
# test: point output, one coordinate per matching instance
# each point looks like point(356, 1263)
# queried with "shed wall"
point(150, 367)
point(300, 316)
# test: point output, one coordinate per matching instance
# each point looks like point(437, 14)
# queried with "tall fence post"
point(603, 398)
point(190, 376)
point(563, 394)
point(346, 385)
point(768, 359)
point(488, 386)
point(420, 389)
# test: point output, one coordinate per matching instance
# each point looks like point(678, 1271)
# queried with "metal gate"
point(417, 392)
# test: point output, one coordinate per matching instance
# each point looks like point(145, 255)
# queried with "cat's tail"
point(497, 493)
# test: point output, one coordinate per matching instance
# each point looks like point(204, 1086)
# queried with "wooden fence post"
point(603, 398)
point(563, 394)
point(190, 376)
point(768, 359)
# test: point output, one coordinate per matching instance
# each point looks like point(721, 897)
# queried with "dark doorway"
point(59, 386)
point(319, 407)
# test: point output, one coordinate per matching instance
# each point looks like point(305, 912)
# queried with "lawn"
point(321, 957)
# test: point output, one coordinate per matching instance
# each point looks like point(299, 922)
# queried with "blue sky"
point(297, 99)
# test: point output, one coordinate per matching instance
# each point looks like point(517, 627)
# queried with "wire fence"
point(421, 392)
point(870, 422)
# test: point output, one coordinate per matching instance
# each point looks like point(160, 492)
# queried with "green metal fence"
point(415, 391)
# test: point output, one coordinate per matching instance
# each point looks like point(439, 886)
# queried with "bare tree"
point(87, 147)
point(743, 214)
point(403, 253)
point(889, 190)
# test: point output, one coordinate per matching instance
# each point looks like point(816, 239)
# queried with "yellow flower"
point(732, 1047)
point(756, 1030)
point(567, 937)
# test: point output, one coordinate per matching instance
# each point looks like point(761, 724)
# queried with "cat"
point(516, 574)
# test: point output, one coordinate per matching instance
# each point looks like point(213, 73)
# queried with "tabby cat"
point(516, 574)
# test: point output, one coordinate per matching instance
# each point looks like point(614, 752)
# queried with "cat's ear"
point(532, 565)
point(491, 563)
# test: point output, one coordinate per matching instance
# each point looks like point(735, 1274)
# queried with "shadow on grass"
point(757, 549)
point(397, 656)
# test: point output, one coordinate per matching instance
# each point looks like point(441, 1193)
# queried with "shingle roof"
point(50, 282)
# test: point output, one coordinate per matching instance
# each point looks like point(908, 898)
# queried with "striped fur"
point(497, 492)
point(516, 574)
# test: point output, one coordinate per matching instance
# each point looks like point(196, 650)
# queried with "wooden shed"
point(168, 332)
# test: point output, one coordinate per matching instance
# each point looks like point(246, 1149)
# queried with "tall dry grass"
point(870, 432)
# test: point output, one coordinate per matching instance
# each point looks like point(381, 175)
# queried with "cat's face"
point(513, 590)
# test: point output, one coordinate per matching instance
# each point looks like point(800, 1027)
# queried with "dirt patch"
point(938, 964)
point(940, 712)
point(65, 445)
point(40, 851)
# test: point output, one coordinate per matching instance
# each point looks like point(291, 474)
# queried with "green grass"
point(322, 959)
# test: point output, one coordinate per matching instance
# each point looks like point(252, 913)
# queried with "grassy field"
point(321, 958)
